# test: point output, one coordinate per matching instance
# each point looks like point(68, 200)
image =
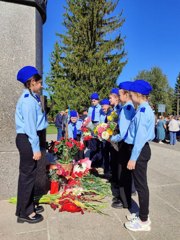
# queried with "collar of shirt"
point(143, 104)
point(128, 103)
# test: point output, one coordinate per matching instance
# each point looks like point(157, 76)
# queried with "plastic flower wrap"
point(81, 168)
point(88, 124)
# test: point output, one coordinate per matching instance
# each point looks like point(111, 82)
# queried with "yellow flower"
point(109, 118)
point(109, 131)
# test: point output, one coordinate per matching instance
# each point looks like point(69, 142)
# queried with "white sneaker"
point(133, 216)
point(161, 142)
point(137, 225)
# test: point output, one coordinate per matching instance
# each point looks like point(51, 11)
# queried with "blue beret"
point(125, 85)
point(115, 91)
point(73, 113)
point(105, 101)
point(25, 73)
point(141, 86)
point(95, 96)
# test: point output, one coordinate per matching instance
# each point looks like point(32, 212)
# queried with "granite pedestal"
point(20, 45)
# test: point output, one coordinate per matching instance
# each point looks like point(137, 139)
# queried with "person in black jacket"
point(59, 124)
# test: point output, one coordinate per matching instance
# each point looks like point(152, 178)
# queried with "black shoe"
point(37, 218)
point(118, 204)
point(115, 199)
point(39, 209)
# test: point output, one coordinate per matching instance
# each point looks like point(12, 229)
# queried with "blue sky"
point(152, 31)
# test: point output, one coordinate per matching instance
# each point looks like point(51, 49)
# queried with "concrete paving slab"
point(164, 183)
point(88, 226)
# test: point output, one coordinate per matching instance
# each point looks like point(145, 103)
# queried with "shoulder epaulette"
point(101, 112)
point(143, 109)
point(128, 107)
point(26, 95)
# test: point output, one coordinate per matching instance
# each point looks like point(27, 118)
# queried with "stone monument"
point(21, 24)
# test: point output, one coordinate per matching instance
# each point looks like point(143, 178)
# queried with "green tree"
point(176, 96)
point(90, 56)
point(162, 93)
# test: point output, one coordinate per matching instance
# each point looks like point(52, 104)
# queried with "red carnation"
point(55, 150)
point(68, 144)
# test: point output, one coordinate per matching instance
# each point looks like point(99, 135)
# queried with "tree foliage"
point(162, 93)
point(176, 95)
point(90, 56)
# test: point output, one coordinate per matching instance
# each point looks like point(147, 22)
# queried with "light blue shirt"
point(125, 116)
point(29, 118)
point(141, 129)
point(97, 112)
point(103, 115)
point(71, 128)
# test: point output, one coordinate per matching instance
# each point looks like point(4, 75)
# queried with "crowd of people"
point(135, 128)
point(167, 129)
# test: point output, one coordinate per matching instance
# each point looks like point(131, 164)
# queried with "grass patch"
point(51, 129)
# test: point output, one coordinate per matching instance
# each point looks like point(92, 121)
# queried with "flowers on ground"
point(81, 193)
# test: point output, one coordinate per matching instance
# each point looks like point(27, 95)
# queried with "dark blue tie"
point(38, 99)
point(74, 131)
point(93, 113)
point(105, 119)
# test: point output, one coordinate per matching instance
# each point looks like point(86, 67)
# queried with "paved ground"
point(164, 183)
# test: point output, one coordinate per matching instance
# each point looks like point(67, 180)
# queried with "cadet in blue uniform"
point(30, 122)
point(74, 126)
point(74, 131)
point(140, 132)
point(114, 100)
point(122, 186)
point(94, 144)
point(115, 103)
point(105, 112)
point(94, 110)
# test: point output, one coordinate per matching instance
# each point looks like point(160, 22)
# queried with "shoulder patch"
point(143, 109)
point(26, 95)
point(128, 107)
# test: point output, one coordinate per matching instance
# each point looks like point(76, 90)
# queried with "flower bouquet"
point(86, 134)
point(104, 130)
point(65, 151)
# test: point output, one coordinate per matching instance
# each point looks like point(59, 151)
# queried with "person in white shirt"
point(173, 129)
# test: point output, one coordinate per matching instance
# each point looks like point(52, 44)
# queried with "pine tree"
point(90, 56)
point(162, 93)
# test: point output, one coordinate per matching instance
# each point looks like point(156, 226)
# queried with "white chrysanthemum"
point(105, 135)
